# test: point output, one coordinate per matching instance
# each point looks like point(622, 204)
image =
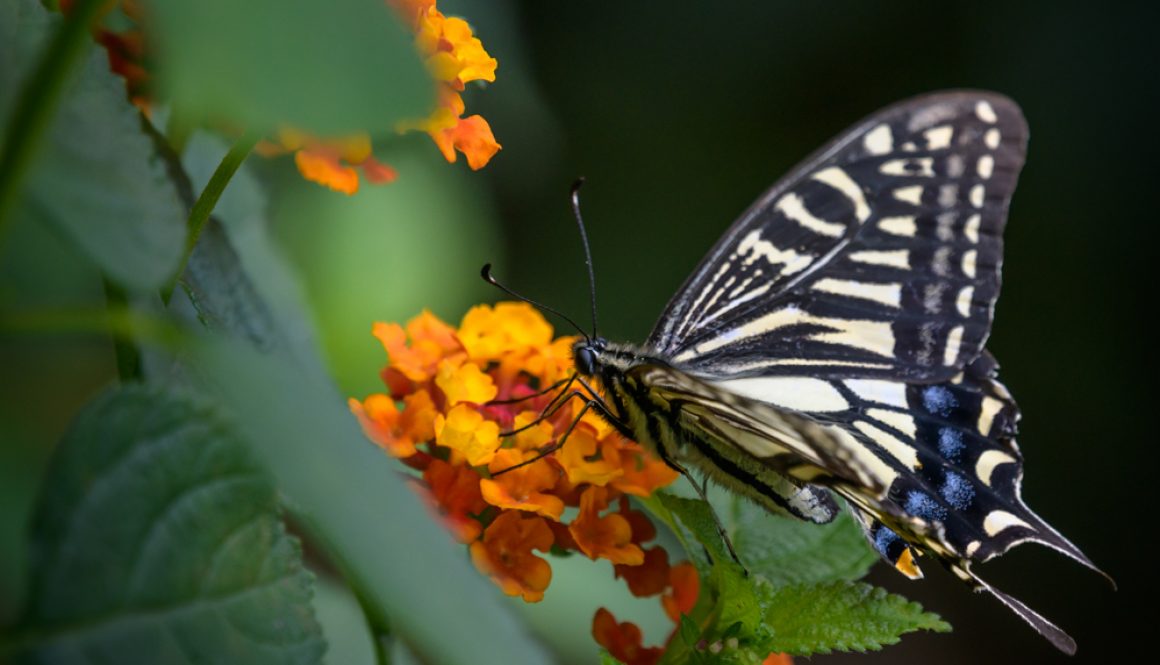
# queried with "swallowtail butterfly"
point(832, 343)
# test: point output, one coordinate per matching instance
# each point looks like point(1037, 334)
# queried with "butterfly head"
point(586, 354)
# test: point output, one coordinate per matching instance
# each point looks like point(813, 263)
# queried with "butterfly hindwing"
point(877, 256)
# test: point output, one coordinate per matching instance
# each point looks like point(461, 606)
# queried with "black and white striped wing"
point(877, 256)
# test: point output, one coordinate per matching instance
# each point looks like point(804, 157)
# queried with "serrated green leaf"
point(789, 551)
point(841, 616)
point(157, 540)
point(96, 179)
point(330, 68)
point(738, 607)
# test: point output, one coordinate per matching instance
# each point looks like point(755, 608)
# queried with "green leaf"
point(158, 540)
point(329, 68)
point(841, 616)
point(236, 280)
point(353, 499)
point(789, 551)
point(697, 517)
point(96, 178)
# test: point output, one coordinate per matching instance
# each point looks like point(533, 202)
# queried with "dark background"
point(679, 115)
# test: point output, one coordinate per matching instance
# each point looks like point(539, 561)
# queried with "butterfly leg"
point(516, 400)
point(701, 489)
point(590, 402)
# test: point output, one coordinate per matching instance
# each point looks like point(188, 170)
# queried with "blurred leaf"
point(353, 498)
point(157, 540)
point(607, 659)
point(329, 68)
point(790, 551)
point(348, 640)
point(842, 616)
point(96, 178)
point(236, 281)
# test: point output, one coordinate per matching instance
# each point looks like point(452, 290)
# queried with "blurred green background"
point(679, 115)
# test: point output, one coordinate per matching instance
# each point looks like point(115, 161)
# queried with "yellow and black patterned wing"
point(877, 256)
point(850, 307)
point(929, 469)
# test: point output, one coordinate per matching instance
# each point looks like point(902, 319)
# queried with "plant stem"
point(126, 351)
point(199, 214)
point(35, 108)
point(114, 320)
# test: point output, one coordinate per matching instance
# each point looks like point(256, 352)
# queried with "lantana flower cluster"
point(463, 408)
point(454, 56)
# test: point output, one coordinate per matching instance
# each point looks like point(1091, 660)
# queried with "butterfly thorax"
point(654, 402)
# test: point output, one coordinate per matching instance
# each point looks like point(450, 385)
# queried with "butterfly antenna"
point(487, 277)
point(587, 251)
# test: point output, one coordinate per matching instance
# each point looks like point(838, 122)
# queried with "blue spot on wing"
point(884, 539)
point(957, 490)
point(950, 443)
point(921, 504)
point(939, 400)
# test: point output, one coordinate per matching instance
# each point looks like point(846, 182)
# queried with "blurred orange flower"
point(454, 57)
point(623, 640)
point(455, 494)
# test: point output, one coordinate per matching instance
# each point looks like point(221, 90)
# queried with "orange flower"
point(473, 137)
point(522, 488)
point(455, 494)
point(534, 437)
point(651, 578)
point(608, 537)
point(622, 640)
point(686, 586)
point(397, 431)
point(643, 473)
point(465, 432)
point(456, 56)
point(464, 383)
point(505, 554)
point(431, 343)
point(489, 333)
point(778, 659)
point(580, 459)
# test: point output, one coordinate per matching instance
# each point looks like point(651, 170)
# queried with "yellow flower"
point(464, 383)
point(464, 431)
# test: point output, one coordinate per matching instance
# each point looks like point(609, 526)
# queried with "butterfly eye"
point(585, 360)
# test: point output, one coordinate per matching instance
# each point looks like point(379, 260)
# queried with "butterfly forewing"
point(877, 256)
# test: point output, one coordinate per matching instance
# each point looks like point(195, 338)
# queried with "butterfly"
point(832, 344)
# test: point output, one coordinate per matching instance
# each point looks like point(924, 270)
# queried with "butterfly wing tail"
point(1053, 633)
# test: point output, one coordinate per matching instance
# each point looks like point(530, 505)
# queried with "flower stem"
point(126, 351)
point(205, 203)
point(34, 110)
